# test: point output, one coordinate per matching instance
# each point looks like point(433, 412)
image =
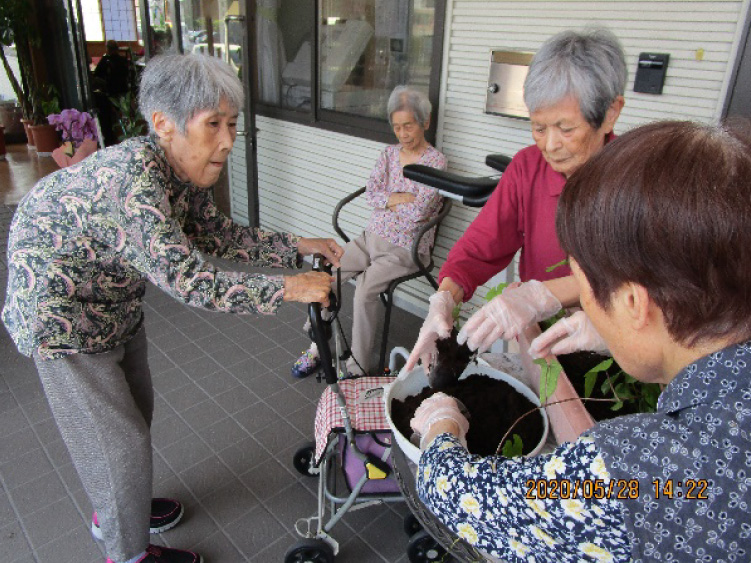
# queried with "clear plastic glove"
point(437, 325)
point(508, 314)
point(438, 407)
point(570, 334)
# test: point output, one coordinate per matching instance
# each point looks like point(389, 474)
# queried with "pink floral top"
point(400, 227)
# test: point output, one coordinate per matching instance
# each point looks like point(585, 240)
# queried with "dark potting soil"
point(576, 365)
point(493, 406)
point(451, 361)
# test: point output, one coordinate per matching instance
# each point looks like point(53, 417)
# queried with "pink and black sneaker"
point(158, 554)
point(166, 513)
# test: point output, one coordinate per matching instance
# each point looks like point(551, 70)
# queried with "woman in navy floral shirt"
point(656, 228)
point(83, 243)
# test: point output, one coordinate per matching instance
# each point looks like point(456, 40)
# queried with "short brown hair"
point(668, 206)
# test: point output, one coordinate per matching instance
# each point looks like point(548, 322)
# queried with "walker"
point(353, 442)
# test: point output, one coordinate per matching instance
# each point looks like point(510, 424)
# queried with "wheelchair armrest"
point(498, 161)
point(338, 208)
point(471, 191)
point(425, 268)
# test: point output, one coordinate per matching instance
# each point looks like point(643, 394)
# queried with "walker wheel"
point(310, 551)
point(411, 525)
point(422, 548)
point(303, 460)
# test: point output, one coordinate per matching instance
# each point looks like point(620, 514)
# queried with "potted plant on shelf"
point(45, 102)
point(16, 28)
point(79, 135)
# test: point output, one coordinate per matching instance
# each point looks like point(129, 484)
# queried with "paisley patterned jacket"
point(84, 241)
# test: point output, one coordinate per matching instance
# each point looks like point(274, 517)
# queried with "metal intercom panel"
point(508, 70)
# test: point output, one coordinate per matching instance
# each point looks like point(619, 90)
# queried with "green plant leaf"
point(549, 373)
point(602, 366)
point(563, 262)
point(589, 383)
point(617, 406)
point(513, 446)
point(495, 291)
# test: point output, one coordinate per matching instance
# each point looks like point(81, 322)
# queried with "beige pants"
point(376, 262)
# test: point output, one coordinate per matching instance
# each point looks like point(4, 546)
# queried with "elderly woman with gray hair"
point(574, 93)
point(82, 245)
point(400, 207)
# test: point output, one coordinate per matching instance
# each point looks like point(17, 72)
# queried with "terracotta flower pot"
point(46, 139)
point(29, 133)
point(2, 142)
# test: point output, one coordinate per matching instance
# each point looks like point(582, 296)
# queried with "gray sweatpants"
point(103, 404)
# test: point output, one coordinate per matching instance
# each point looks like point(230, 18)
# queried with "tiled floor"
point(228, 419)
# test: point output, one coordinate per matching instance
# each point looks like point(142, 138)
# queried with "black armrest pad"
point(470, 188)
point(498, 161)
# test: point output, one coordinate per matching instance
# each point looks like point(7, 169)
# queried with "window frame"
point(348, 124)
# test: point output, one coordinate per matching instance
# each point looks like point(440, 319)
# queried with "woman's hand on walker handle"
point(327, 247)
point(437, 325)
point(570, 334)
point(508, 314)
point(310, 287)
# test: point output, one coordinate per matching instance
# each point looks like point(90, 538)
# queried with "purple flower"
point(74, 125)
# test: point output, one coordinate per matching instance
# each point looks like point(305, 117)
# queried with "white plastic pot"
point(413, 382)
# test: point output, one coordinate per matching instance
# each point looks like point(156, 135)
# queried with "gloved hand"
point(437, 407)
point(508, 314)
point(437, 325)
point(570, 334)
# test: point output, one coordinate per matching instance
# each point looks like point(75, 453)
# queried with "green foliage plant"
point(16, 28)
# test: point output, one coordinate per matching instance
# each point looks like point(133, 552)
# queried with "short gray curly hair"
point(180, 86)
point(404, 98)
point(588, 65)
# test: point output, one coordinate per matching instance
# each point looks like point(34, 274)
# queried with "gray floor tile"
point(286, 401)
point(77, 544)
point(203, 415)
point(255, 417)
point(25, 468)
point(236, 399)
point(229, 501)
point(217, 547)
point(217, 382)
point(244, 455)
point(52, 522)
point(14, 542)
point(7, 514)
point(278, 436)
point(223, 434)
point(37, 493)
point(256, 531)
point(185, 453)
point(166, 432)
point(268, 479)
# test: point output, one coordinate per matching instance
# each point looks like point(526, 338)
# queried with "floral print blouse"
point(400, 227)
point(673, 485)
point(496, 505)
point(84, 241)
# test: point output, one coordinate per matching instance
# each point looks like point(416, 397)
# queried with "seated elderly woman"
point(667, 287)
point(400, 207)
point(82, 245)
point(574, 93)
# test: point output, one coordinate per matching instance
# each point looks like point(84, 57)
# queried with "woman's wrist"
point(456, 291)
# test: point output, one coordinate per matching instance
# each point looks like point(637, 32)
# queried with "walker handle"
point(321, 330)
